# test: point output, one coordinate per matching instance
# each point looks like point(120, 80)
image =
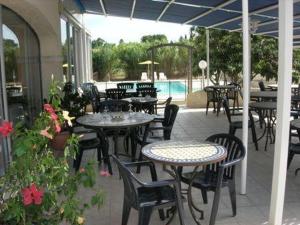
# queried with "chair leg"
point(232, 130)
point(204, 196)
point(232, 194)
point(138, 169)
point(215, 206)
point(207, 104)
point(254, 138)
point(290, 158)
point(161, 214)
point(144, 215)
point(126, 212)
point(78, 159)
point(99, 158)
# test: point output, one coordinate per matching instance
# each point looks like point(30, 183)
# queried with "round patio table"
point(266, 110)
point(145, 104)
point(102, 122)
point(177, 154)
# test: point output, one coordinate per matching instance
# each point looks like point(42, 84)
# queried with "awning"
point(218, 14)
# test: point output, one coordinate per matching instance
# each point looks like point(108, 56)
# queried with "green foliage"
point(155, 39)
point(34, 163)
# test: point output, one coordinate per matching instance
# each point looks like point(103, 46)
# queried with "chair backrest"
point(226, 108)
point(170, 115)
point(125, 85)
point(261, 86)
point(168, 101)
point(114, 105)
point(233, 93)
point(145, 85)
point(130, 191)
point(211, 93)
point(115, 93)
point(296, 91)
point(235, 153)
point(147, 91)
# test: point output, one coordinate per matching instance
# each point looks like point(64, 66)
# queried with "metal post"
point(152, 65)
point(283, 110)
point(190, 77)
point(246, 76)
point(207, 57)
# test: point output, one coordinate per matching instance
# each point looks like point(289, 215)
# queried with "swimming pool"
point(171, 88)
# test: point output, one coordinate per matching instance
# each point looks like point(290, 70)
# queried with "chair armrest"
point(144, 163)
point(160, 183)
point(158, 128)
point(228, 164)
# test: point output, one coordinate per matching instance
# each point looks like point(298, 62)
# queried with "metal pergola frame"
point(230, 18)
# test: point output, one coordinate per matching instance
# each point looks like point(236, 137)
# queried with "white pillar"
point(246, 81)
point(283, 110)
point(207, 56)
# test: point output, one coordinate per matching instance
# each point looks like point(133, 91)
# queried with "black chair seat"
point(202, 180)
point(295, 148)
point(239, 124)
point(156, 196)
point(89, 144)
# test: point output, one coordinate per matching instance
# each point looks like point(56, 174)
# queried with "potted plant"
point(38, 188)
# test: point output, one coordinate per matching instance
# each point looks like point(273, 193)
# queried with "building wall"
point(44, 17)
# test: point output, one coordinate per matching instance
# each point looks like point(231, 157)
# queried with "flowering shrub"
point(38, 188)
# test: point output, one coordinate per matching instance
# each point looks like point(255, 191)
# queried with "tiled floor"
point(253, 208)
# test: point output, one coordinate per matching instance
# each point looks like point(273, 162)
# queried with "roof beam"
point(261, 10)
point(270, 7)
point(164, 10)
point(103, 7)
point(228, 2)
point(274, 31)
point(132, 9)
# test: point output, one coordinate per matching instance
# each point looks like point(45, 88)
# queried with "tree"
point(154, 39)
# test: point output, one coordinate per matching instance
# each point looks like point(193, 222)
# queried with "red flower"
point(6, 128)
point(37, 195)
point(26, 194)
point(49, 108)
point(32, 195)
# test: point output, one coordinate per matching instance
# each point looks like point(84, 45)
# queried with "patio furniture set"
point(118, 114)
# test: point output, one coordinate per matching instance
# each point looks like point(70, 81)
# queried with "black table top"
point(263, 105)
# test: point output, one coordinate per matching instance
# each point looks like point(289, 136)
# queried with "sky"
point(112, 29)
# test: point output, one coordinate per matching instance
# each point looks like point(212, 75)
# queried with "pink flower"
point(49, 108)
point(57, 127)
point(6, 128)
point(54, 117)
point(32, 195)
point(45, 133)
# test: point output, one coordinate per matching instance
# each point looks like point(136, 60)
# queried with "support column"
point(207, 57)
point(283, 110)
point(246, 90)
point(152, 65)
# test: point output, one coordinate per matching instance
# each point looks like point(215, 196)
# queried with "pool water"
point(171, 87)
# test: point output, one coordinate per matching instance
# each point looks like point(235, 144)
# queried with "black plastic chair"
point(216, 176)
point(213, 96)
point(125, 85)
point(294, 149)
point(233, 94)
point(145, 85)
point(145, 197)
point(167, 126)
point(262, 86)
point(115, 93)
point(164, 104)
point(234, 125)
point(147, 91)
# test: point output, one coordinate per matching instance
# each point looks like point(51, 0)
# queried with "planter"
point(59, 142)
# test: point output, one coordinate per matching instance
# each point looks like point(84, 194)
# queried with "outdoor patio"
point(252, 208)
